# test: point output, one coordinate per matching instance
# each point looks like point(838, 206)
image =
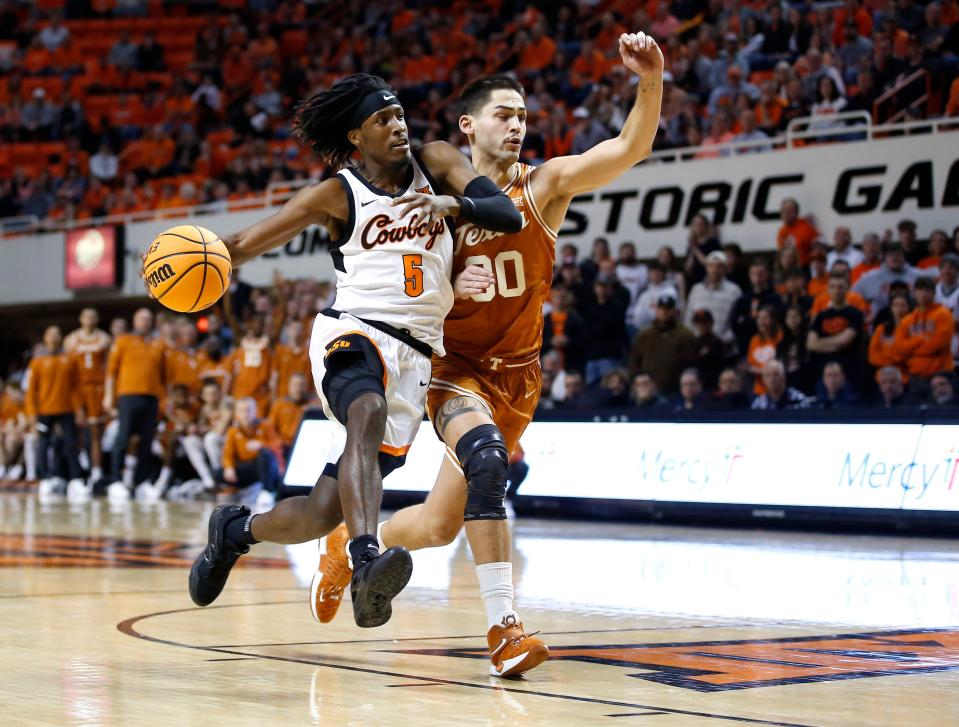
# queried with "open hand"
point(427, 207)
point(640, 54)
point(472, 281)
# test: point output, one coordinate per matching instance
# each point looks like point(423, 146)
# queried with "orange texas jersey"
point(90, 352)
point(506, 321)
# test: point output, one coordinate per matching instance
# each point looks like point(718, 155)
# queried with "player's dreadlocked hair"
point(477, 92)
point(326, 117)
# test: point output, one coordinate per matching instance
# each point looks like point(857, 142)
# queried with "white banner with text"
point(875, 466)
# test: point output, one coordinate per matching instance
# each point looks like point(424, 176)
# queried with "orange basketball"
point(187, 268)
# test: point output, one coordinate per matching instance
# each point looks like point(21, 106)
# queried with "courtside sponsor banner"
point(874, 466)
point(868, 186)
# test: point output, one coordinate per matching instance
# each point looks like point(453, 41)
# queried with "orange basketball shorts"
point(508, 390)
point(91, 400)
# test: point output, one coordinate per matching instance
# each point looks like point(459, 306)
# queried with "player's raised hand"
point(427, 207)
point(472, 281)
point(641, 54)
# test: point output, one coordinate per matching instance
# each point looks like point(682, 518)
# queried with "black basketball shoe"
point(376, 582)
point(212, 567)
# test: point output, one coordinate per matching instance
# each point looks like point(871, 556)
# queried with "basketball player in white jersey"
point(90, 346)
point(390, 223)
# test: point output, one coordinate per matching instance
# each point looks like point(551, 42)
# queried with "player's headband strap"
point(371, 103)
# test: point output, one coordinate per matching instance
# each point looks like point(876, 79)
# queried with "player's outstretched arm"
point(469, 195)
point(322, 204)
point(605, 162)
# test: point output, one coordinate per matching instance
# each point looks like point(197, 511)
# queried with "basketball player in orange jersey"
point(291, 357)
point(90, 345)
point(287, 411)
point(392, 248)
point(484, 391)
point(53, 403)
point(251, 365)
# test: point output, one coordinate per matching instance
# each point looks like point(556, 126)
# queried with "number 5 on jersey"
point(497, 266)
point(413, 275)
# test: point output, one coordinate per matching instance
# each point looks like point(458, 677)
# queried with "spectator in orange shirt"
point(850, 9)
point(871, 259)
point(952, 105)
point(134, 386)
point(53, 402)
point(590, 64)
point(419, 68)
point(924, 337)
point(237, 70)
point(538, 51)
point(797, 229)
point(287, 411)
point(251, 453)
point(818, 275)
point(263, 46)
point(769, 109)
point(882, 345)
point(821, 301)
point(938, 244)
point(213, 420)
point(762, 346)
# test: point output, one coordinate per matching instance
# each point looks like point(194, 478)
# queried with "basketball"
point(187, 268)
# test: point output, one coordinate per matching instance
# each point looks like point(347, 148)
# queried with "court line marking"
point(127, 627)
point(471, 636)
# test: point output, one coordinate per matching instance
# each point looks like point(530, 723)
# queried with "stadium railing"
point(847, 127)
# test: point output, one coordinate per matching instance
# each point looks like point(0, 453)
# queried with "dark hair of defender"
point(325, 118)
point(477, 93)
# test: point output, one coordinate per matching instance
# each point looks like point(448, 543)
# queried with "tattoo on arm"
point(647, 86)
point(453, 408)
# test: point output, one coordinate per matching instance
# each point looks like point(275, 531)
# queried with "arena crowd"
point(113, 107)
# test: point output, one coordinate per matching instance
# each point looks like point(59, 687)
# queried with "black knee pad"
point(482, 454)
point(353, 368)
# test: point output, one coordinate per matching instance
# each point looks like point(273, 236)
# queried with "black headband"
point(371, 103)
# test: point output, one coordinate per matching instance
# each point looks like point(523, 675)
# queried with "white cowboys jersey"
point(389, 271)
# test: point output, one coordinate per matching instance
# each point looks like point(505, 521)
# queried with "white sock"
point(129, 467)
point(84, 459)
point(164, 479)
point(379, 536)
point(30, 457)
point(96, 474)
point(496, 590)
point(194, 452)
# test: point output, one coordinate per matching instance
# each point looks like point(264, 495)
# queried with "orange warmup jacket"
point(53, 386)
point(924, 339)
point(237, 448)
point(137, 366)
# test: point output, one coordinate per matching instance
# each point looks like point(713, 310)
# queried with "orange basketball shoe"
point(512, 651)
point(332, 577)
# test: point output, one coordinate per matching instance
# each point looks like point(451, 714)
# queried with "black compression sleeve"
point(485, 205)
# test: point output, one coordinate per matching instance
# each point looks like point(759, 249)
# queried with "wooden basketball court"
point(648, 625)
